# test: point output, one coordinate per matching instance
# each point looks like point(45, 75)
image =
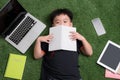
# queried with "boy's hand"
point(46, 39)
point(76, 35)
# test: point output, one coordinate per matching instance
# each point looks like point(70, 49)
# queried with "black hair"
point(61, 11)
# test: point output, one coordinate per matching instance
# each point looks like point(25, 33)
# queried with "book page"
point(61, 38)
point(55, 43)
point(67, 43)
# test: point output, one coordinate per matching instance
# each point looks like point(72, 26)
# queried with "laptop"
point(18, 26)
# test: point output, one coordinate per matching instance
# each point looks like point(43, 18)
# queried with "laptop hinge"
point(14, 23)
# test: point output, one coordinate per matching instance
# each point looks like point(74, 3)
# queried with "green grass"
point(84, 11)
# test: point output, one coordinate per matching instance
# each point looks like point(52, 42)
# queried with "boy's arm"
point(38, 52)
point(86, 48)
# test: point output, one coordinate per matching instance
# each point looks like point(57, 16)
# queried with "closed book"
point(15, 66)
point(110, 74)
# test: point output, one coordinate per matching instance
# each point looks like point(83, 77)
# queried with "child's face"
point(62, 19)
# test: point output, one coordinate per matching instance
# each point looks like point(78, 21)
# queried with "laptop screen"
point(9, 13)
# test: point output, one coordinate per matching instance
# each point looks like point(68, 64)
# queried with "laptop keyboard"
point(22, 30)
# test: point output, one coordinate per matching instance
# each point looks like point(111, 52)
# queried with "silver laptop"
point(19, 27)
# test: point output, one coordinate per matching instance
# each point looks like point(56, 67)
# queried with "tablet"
point(110, 57)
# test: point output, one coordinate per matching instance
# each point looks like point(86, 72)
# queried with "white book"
point(61, 38)
point(99, 28)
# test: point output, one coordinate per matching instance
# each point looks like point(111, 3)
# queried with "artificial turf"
point(84, 11)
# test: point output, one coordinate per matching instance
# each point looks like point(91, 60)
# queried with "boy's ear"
point(52, 25)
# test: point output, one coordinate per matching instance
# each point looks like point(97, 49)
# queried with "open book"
point(15, 66)
point(61, 38)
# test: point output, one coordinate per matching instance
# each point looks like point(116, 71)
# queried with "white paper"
point(61, 39)
point(98, 26)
